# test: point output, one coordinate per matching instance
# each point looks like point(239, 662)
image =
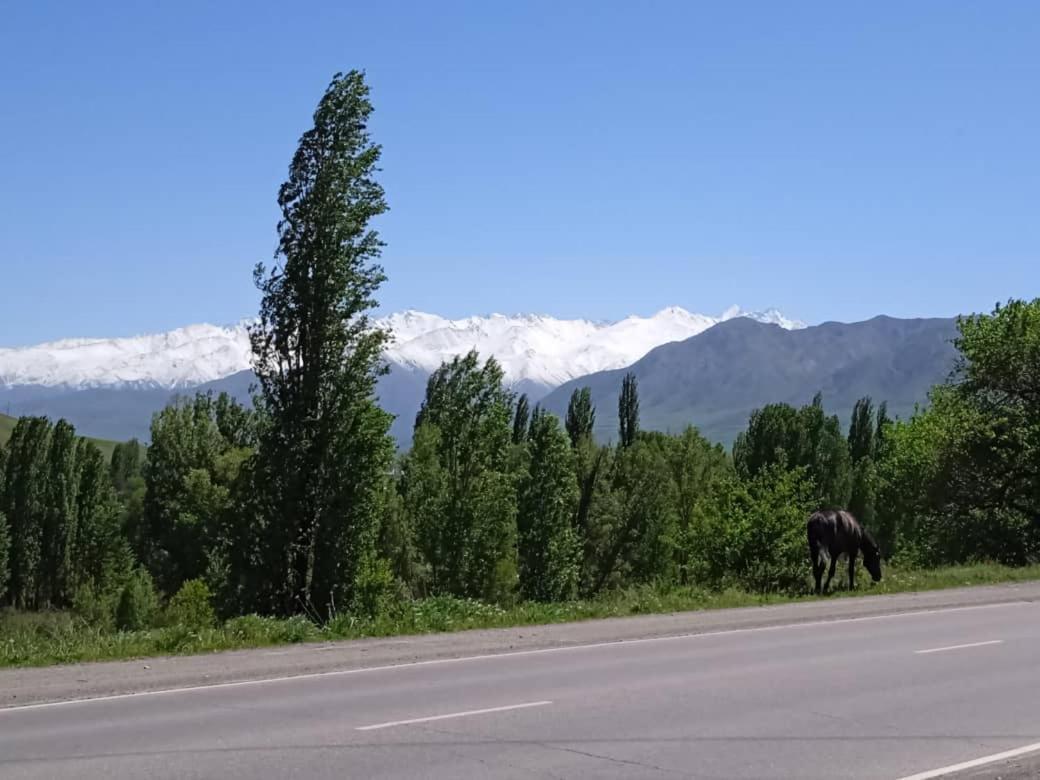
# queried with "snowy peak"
point(531, 348)
point(183, 357)
point(769, 317)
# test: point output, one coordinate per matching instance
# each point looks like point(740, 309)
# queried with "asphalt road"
point(873, 697)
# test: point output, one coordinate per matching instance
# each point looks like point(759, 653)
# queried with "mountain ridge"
point(538, 349)
point(716, 379)
point(712, 379)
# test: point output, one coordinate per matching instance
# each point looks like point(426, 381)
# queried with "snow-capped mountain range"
point(538, 350)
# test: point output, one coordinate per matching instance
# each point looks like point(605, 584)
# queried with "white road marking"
point(465, 714)
point(959, 647)
point(511, 654)
point(946, 770)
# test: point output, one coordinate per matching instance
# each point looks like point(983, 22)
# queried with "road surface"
point(893, 696)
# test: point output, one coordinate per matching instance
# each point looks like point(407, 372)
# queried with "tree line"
point(299, 503)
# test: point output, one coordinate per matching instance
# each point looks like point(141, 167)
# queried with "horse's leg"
point(817, 565)
point(830, 572)
point(852, 570)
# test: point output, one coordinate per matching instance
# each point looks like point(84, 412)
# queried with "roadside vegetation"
point(295, 520)
point(45, 638)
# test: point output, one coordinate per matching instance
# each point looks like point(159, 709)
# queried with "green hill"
point(7, 426)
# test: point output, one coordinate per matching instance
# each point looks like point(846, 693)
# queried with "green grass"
point(7, 427)
point(41, 639)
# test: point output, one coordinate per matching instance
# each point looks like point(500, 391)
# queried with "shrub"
point(93, 608)
point(250, 629)
point(375, 591)
point(191, 607)
point(297, 629)
point(138, 603)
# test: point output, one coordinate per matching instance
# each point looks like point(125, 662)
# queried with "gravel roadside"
point(19, 687)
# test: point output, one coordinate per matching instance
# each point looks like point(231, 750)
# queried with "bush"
point(92, 608)
point(180, 639)
point(253, 629)
point(191, 607)
point(375, 591)
point(297, 629)
point(138, 603)
point(752, 535)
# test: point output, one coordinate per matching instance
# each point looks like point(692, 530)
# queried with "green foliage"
point(628, 411)
point(993, 469)
point(191, 607)
point(779, 434)
point(753, 533)
point(102, 553)
point(56, 578)
point(696, 468)
point(126, 465)
point(636, 532)
point(5, 547)
point(138, 603)
point(95, 609)
point(457, 483)
point(41, 638)
point(375, 591)
point(66, 528)
point(959, 481)
point(189, 477)
point(862, 430)
point(581, 416)
point(256, 630)
point(521, 420)
point(881, 429)
point(323, 445)
point(25, 504)
point(864, 492)
point(549, 547)
point(866, 437)
point(397, 544)
point(597, 507)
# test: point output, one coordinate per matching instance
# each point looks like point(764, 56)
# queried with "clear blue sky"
point(836, 160)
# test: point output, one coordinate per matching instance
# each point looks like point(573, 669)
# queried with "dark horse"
point(833, 532)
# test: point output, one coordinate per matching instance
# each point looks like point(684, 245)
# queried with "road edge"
point(20, 687)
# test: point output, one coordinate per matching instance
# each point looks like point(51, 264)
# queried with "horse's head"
point(871, 556)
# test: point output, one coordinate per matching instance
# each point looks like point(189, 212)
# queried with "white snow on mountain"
point(538, 349)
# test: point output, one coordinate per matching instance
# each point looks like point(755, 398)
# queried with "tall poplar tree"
point(25, 504)
point(628, 411)
point(862, 430)
point(549, 548)
point(883, 421)
point(458, 482)
point(59, 527)
point(5, 547)
point(581, 416)
point(323, 445)
point(521, 419)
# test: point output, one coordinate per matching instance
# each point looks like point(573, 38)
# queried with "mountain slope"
point(715, 379)
point(7, 427)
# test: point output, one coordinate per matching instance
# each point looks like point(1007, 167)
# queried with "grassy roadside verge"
point(42, 639)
